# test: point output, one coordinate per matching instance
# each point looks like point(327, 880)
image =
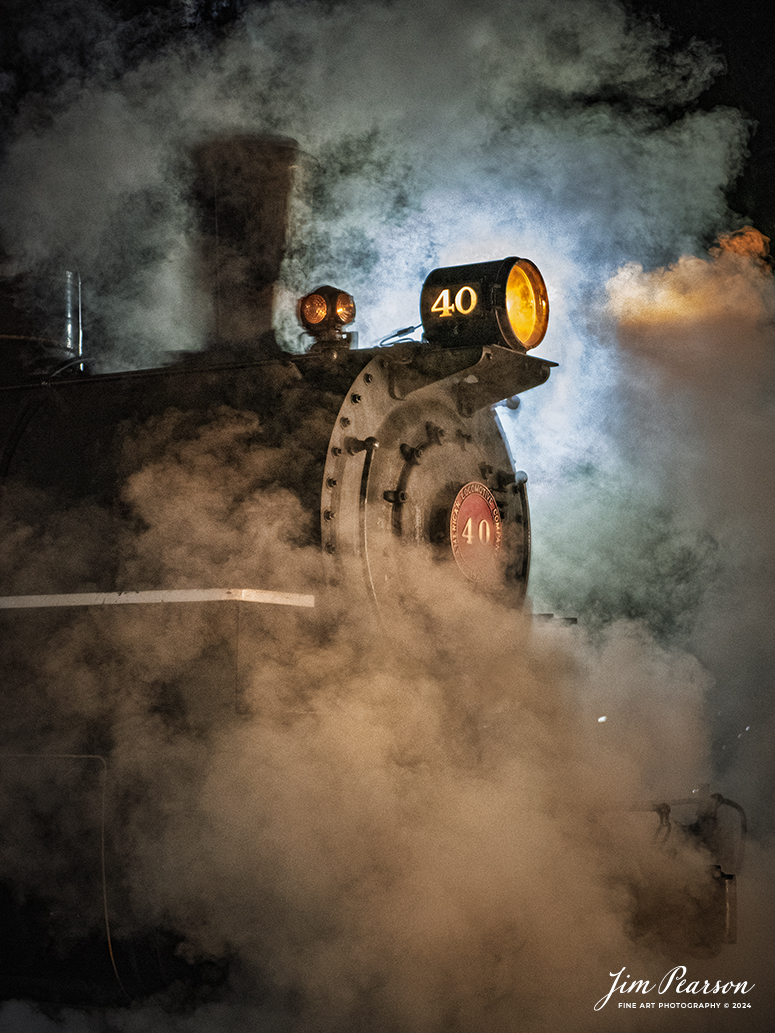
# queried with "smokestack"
point(240, 199)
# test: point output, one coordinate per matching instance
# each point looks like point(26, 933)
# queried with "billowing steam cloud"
point(435, 132)
point(385, 848)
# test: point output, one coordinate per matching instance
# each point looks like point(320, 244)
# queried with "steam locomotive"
point(381, 462)
point(380, 459)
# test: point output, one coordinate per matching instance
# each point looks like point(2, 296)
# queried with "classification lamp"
point(325, 311)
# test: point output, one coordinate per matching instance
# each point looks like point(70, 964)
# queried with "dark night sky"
point(744, 34)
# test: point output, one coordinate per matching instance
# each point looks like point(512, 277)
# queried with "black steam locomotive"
point(382, 462)
point(385, 468)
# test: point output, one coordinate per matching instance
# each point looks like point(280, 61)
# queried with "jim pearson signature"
point(675, 979)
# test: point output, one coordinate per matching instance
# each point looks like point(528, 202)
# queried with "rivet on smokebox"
point(336, 451)
point(367, 378)
point(329, 514)
point(345, 421)
point(355, 399)
point(331, 482)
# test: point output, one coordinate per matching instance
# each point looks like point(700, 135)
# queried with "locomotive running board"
point(185, 595)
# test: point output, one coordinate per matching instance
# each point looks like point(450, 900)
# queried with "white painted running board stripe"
point(183, 595)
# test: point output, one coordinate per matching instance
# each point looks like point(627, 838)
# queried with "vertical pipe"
point(73, 335)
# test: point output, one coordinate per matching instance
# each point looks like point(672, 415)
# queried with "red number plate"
point(475, 531)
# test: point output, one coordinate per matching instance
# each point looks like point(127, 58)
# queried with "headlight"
point(502, 302)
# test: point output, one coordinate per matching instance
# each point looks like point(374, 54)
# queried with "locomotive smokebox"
point(240, 192)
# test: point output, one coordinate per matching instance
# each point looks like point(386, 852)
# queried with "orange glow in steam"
point(734, 283)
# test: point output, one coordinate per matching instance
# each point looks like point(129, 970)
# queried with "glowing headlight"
point(502, 302)
point(325, 311)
